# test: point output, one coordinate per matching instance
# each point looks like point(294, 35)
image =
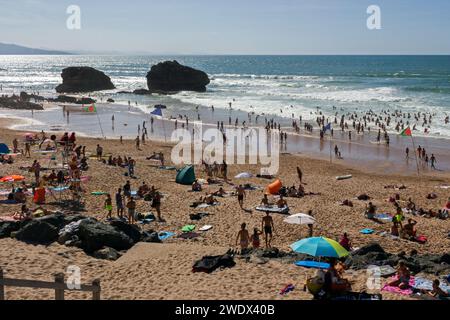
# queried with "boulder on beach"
point(170, 76)
point(84, 79)
point(37, 231)
point(96, 235)
point(130, 230)
point(7, 227)
point(74, 100)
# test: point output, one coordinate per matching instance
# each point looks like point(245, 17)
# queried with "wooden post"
point(96, 293)
point(2, 287)
point(59, 293)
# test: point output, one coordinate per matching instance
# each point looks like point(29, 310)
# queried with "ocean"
point(283, 86)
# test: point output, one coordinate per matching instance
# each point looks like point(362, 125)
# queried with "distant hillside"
point(9, 49)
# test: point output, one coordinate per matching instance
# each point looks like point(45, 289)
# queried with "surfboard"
point(349, 176)
point(206, 228)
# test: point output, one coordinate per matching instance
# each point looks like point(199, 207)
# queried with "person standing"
point(300, 174)
point(407, 153)
point(243, 237)
point(108, 206)
point(241, 195)
point(433, 161)
point(268, 227)
point(119, 203)
point(131, 206)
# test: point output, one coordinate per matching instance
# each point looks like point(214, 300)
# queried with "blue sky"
point(231, 26)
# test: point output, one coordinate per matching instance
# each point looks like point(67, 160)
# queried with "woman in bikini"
point(243, 237)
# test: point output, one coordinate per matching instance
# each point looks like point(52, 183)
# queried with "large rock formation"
point(84, 79)
point(170, 76)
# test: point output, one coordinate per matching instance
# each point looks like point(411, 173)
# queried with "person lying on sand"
point(243, 237)
point(347, 203)
point(436, 292)
point(219, 193)
point(403, 275)
point(410, 205)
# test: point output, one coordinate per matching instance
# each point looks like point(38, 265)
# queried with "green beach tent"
point(186, 176)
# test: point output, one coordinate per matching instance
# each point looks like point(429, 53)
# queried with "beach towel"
point(205, 205)
point(188, 228)
point(99, 193)
point(243, 175)
point(287, 289)
point(344, 177)
point(405, 292)
point(383, 217)
point(273, 209)
point(366, 231)
point(164, 235)
point(421, 239)
point(167, 168)
point(312, 264)
point(8, 202)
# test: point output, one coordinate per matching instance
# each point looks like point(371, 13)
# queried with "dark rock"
point(445, 258)
point(96, 235)
point(142, 92)
point(110, 100)
point(107, 254)
point(84, 79)
point(151, 237)
point(15, 102)
point(6, 227)
point(170, 76)
point(130, 230)
point(74, 100)
point(373, 247)
point(60, 220)
point(38, 232)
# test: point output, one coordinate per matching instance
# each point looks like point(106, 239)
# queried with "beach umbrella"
point(300, 218)
point(244, 175)
point(12, 178)
point(319, 247)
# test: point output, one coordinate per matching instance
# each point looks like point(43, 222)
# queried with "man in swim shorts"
point(243, 237)
point(268, 227)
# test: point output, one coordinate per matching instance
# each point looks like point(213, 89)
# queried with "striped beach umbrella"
point(319, 247)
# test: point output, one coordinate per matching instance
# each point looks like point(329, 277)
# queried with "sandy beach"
point(163, 271)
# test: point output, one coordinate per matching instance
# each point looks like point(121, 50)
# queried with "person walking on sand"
point(108, 206)
point(99, 152)
point(156, 204)
point(15, 145)
point(268, 227)
point(243, 237)
point(27, 150)
point(241, 195)
point(138, 143)
point(131, 206)
point(119, 203)
point(300, 174)
point(433, 161)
